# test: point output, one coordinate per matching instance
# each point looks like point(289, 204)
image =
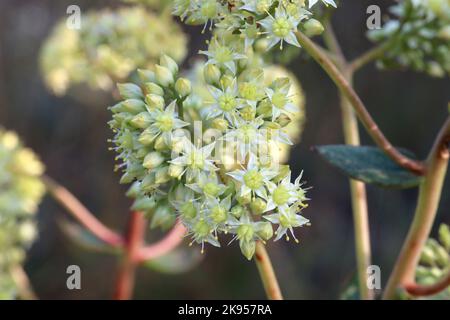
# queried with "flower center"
point(253, 179)
point(188, 210)
point(201, 229)
point(279, 100)
point(211, 189)
point(227, 102)
point(164, 122)
point(196, 160)
point(281, 27)
point(284, 221)
point(248, 91)
point(219, 214)
point(223, 54)
point(280, 195)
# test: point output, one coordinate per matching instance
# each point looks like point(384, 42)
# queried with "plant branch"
point(367, 57)
point(164, 246)
point(267, 273)
point(361, 111)
point(357, 188)
point(359, 202)
point(134, 239)
point(429, 290)
point(81, 213)
point(428, 202)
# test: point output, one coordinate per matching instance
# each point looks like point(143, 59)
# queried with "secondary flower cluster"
point(249, 20)
point(20, 194)
point(435, 261)
point(228, 181)
point(418, 37)
point(108, 48)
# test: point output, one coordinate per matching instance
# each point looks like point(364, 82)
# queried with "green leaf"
point(369, 165)
point(84, 238)
point(180, 260)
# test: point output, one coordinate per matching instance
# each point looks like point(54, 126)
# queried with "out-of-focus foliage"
point(154, 4)
point(435, 262)
point(20, 193)
point(370, 165)
point(418, 37)
point(109, 47)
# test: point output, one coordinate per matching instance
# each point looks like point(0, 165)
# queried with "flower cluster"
point(435, 261)
point(108, 48)
point(20, 193)
point(208, 152)
point(274, 20)
point(418, 37)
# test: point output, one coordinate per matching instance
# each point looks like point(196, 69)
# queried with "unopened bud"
point(212, 74)
point(313, 27)
point(154, 101)
point(220, 124)
point(248, 248)
point(265, 230)
point(258, 206)
point(130, 91)
point(175, 171)
point(153, 88)
point(164, 76)
point(169, 63)
point(153, 160)
point(183, 87)
point(141, 120)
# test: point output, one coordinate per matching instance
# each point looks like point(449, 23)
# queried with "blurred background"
point(70, 135)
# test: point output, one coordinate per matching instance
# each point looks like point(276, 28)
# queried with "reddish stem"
point(81, 213)
point(165, 245)
point(127, 271)
point(428, 290)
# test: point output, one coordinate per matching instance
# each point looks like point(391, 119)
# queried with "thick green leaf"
point(370, 165)
point(180, 260)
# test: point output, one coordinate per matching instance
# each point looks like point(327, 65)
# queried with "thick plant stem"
point(267, 273)
point(359, 107)
point(429, 290)
point(134, 239)
point(427, 205)
point(359, 203)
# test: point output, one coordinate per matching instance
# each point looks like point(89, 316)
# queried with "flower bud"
point(245, 232)
point(283, 120)
point(212, 74)
point(427, 257)
point(175, 171)
point(313, 27)
point(218, 214)
point(126, 178)
point(162, 175)
point(154, 101)
point(219, 124)
point(238, 211)
point(226, 81)
point(130, 91)
point(146, 75)
point(442, 257)
point(192, 101)
point(258, 206)
point(160, 144)
point(244, 199)
point(141, 120)
point(163, 217)
point(264, 109)
point(153, 88)
point(248, 113)
point(169, 63)
point(265, 230)
point(248, 248)
point(444, 236)
point(164, 76)
point(133, 105)
point(148, 183)
point(144, 204)
point(153, 160)
point(146, 137)
point(183, 87)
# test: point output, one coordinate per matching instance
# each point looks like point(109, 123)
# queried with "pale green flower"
point(253, 179)
point(195, 160)
point(280, 28)
point(164, 122)
point(287, 221)
point(223, 56)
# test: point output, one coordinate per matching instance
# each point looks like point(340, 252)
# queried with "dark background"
point(70, 135)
